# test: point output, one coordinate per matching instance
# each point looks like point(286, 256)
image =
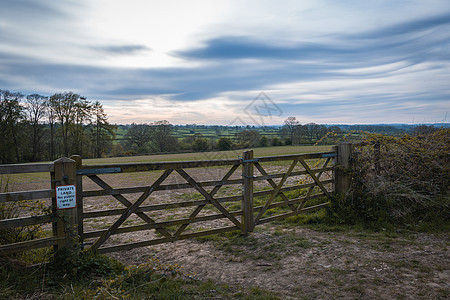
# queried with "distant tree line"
point(36, 127)
point(296, 133)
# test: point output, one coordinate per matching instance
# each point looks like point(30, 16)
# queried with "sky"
point(235, 62)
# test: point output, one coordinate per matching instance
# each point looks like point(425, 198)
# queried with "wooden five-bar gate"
point(173, 201)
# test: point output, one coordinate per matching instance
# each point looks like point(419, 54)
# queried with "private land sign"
point(66, 197)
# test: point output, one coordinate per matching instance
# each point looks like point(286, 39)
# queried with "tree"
point(137, 137)
point(293, 130)
point(200, 144)
point(36, 107)
point(276, 142)
point(311, 129)
point(63, 106)
point(263, 142)
point(424, 129)
point(83, 114)
point(224, 144)
point(248, 138)
point(12, 117)
point(289, 125)
point(161, 137)
point(102, 132)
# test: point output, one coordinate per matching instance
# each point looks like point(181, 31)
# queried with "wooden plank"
point(291, 188)
point(295, 156)
point(92, 234)
point(156, 207)
point(154, 166)
point(130, 209)
point(297, 173)
point(125, 202)
point(311, 188)
point(28, 245)
point(26, 221)
point(26, 168)
point(66, 226)
point(303, 199)
point(247, 201)
point(342, 177)
point(212, 193)
point(130, 246)
point(316, 180)
point(208, 197)
point(276, 190)
point(273, 184)
point(26, 195)
point(79, 184)
point(293, 213)
point(141, 189)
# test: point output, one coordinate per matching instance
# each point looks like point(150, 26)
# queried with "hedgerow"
point(401, 181)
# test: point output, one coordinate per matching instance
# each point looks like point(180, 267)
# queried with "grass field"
point(232, 154)
point(181, 132)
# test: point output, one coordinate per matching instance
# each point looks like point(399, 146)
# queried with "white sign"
point(66, 197)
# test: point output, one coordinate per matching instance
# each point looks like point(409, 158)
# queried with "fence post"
point(79, 188)
point(342, 178)
point(247, 201)
point(65, 227)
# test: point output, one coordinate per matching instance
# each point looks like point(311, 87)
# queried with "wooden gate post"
point(66, 225)
point(79, 185)
point(342, 178)
point(247, 201)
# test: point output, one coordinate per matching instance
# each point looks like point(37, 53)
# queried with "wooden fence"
point(260, 193)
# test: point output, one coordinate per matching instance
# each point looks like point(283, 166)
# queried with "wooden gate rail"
point(249, 215)
point(22, 221)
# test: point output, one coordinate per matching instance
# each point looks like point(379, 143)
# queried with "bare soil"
point(303, 263)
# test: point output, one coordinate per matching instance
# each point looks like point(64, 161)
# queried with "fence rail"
point(283, 196)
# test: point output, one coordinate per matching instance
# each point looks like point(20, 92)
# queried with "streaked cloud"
point(321, 61)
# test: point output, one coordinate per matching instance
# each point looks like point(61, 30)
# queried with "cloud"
point(441, 21)
point(248, 48)
point(315, 73)
point(122, 49)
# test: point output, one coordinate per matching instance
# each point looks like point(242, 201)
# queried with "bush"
point(397, 180)
point(224, 144)
point(72, 264)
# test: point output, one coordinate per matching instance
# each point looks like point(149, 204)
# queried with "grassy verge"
point(89, 276)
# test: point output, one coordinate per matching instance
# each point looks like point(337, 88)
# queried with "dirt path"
point(302, 263)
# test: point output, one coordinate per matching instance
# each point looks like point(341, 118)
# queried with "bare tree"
point(64, 108)
point(291, 128)
point(11, 118)
point(36, 108)
point(138, 136)
point(162, 139)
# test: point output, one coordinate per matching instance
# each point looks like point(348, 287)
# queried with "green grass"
point(89, 276)
point(232, 154)
point(278, 246)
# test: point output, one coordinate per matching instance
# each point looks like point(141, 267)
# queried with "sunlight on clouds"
point(212, 111)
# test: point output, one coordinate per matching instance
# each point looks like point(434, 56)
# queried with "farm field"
point(210, 131)
point(231, 154)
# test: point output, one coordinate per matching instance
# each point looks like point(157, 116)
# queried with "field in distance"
point(231, 154)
